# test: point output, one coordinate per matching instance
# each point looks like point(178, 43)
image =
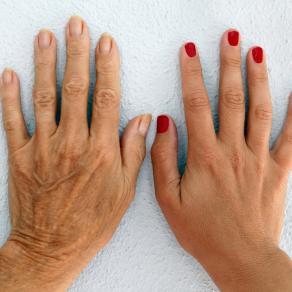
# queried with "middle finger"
point(76, 79)
point(231, 103)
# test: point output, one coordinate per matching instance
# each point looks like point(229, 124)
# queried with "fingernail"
point(144, 124)
point(75, 26)
point(44, 38)
point(105, 43)
point(257, 54)
point(190, 49)
point(162, 124)
point(233, 38)
point(7, 76)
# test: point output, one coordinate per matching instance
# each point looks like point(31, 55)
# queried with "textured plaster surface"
point(144, 255)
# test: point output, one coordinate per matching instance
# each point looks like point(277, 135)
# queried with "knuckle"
point(207, 157)
point(194, 71)
point(76, 87)
point(10, 125)
point(288, 137)
point(105, 157)
point(76, 48)
point(69, 151)
point(237, 159)
point(259, 168)
point(159, 153)
point(196, 99)
point(44, 64)
point(259, 77)
point(43, 97)
point(140, 152)
point(106, 98)
point(234, 99)
point(263, 112)
point(104, 149)
point(231, 62)
point(167, 192)
point(106, 66)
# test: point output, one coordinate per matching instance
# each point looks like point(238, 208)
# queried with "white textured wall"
point(143, 255)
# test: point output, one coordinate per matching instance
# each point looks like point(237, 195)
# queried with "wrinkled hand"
point(227, 208)
point(69, 185)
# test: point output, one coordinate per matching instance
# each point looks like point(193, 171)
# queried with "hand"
point(69, 185)
point(227, 208)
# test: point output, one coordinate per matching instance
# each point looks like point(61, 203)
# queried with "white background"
point(144, 255)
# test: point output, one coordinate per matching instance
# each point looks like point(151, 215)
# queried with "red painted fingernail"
point(258, 54)
point(190, 49)
point(233, 38)
point(162, 124)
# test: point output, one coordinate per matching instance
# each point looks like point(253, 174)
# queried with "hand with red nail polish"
point(227, 208)
point(69, 185)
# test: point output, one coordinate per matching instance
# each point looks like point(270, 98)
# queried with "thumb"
point(133, 147)
point(164, 161)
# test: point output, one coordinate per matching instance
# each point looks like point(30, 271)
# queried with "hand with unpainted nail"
point(69, 185)
point(227, 208)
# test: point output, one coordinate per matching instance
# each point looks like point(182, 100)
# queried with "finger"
point(231, 101)
point(45, 83)
point(164, 161)
point(260, 107)
point(282, 151)
point(76, 79)
point(106, 103)
point(133, 145)
point(201, 133)
point(13, 120)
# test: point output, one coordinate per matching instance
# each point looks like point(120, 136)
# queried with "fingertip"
point(144, 124)
point(189, 50)
point(137, 126)
point(45, 39)
point(166, 131)
point(162, 124)
point(8, 77)
point(107, 47)
point(105, 44)
point(77, 27)
point(231, 38)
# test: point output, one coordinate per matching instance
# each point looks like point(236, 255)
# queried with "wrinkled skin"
point(69, 185)
point(227, 208)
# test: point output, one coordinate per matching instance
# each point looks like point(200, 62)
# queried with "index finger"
point(201, 132)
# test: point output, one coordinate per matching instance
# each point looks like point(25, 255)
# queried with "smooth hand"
point(69, 185)
point(227, 209)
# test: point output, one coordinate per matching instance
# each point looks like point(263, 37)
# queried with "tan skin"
point(227, 209)
point(69, 185)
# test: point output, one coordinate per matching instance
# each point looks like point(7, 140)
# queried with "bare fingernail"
point(105, 43)
point(7, 76)
point(44, 38)
point(75, 26)
point(144, 124)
